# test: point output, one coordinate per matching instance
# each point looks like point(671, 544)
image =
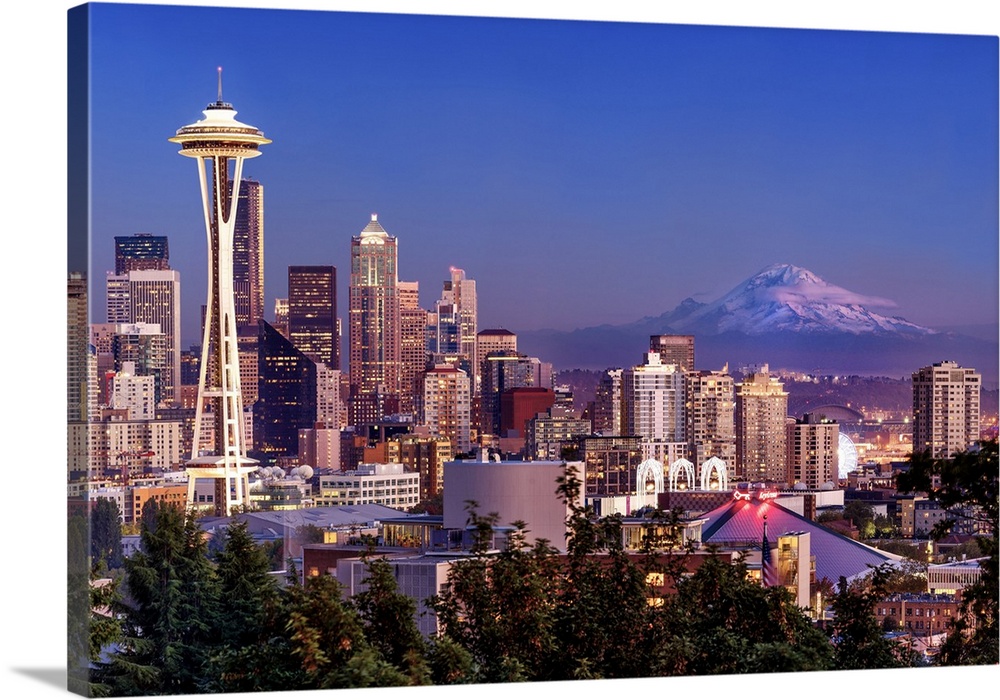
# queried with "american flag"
point(768, 572)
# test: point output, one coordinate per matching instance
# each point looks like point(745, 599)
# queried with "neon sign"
point(763, 495)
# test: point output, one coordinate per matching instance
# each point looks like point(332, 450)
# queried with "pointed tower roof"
point(374, 227)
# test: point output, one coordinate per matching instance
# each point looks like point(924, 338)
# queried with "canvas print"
point(414, 350)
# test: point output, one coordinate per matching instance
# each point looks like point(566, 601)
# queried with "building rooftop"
point(742, 522)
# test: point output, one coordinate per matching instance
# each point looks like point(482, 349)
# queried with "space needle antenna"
point(220, 84)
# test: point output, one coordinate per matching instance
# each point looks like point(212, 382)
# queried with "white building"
point(386, 484)
point(515, 491)
point(653, 401)
point(418, 577)
point(137, 394)
point(151, 296)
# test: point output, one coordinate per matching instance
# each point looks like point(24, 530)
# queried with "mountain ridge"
point(783, 315)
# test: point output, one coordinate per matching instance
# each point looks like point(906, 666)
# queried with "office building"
point(674, 350)
point(945, 409)
point(606, 415)
point(373, 310)
point(312, 312)
point(143, 251)
point(77, 344)
point(286, 395)
point(413, 336)
point(151, 296)
point(386, 484)
point(456, 319)
point(761, 415)
point(501, 371)
point(248, 254)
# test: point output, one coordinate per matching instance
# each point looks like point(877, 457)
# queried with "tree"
point(859, 641)
point(966, 487)
point(389, 624)
point(250, 614)
point(497, 607)
point(170, 612)
point(728, 623)
point(106, 535)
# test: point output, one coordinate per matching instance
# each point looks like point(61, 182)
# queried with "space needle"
point(213, 142)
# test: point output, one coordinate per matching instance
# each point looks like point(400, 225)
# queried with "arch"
point(649, 468)
point(681, 465)
point(717, 466)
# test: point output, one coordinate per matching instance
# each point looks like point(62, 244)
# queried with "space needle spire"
point(217, 142)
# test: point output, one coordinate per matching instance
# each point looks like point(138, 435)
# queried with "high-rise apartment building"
point(446, 405)
point(945, 409)
point(711, 421)
point(812, 452)
point(374, 341)
point(607, 413)
point(312, 312)
point(761, 439)
point(653, 401)
point(413, 337)
point(248, 254)
point(143, 251)
point(77, 341)
point(151, 297)
point(456, 319)
point(674, 350)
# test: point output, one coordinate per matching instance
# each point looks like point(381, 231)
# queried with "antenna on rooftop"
point(220, 84)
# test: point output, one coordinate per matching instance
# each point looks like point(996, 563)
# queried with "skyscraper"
point(77, 337)
point(374, 343)
point(143, 251)
point(286, 394)
point(711, 427)
point(151, 296)
point(674, 350)
point(446, 405)
point(312, 312)
point(761, 415)
point(413, 346)
point(945, 409)
point(456, 319)
point(653, 408)
point(812, 452)
point(248, 253)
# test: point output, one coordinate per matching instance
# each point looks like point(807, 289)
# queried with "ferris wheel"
point(847, 456)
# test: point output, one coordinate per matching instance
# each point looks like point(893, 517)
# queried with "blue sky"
point(34, 214)
point(582, 172)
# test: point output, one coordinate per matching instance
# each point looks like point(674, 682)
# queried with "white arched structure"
point(681, 465)
point(649, 469)
point(717, 466)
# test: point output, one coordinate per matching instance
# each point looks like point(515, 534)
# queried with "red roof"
point(741, 523)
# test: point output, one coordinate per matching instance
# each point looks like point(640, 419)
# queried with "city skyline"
point(686, 156)
point(35, 667)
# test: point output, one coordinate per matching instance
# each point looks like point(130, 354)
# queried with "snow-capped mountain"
point(783, 298)
point(785, 316)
